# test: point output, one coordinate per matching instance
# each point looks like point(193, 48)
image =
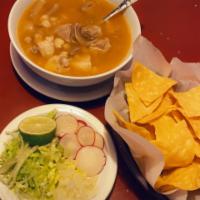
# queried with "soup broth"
point(68, 38)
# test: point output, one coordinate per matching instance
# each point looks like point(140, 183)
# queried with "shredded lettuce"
point(52, 114)
point(38, 177)
point(10, 156)
point(12, 147)
point(31, 171)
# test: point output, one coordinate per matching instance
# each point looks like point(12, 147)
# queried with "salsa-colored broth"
point(69, 11)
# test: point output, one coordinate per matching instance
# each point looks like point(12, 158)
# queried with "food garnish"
point(37, 130)
point(91, 154)
point(66, 124)
point(86, 136)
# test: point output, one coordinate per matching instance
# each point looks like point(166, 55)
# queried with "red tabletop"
point(172, 26)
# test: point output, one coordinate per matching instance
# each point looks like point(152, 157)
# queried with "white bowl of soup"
point(66, 42)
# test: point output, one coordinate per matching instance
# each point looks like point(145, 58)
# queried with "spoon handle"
point(125, 4)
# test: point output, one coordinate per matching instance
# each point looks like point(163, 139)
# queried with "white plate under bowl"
point(55, 91)
point(107, 176)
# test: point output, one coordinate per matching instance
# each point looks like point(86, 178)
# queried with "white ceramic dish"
point(55, 91)
point(107, 176)
point(16, 12)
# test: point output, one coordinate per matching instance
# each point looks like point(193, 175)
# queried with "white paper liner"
point(148, 157)
point(187, 74)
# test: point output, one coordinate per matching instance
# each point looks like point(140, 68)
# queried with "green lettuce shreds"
point(33, 172)
point(12, 148)
point(10, 157)
point(39, 176)
point(52, 114)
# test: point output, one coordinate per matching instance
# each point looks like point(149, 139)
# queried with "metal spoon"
point(125, 4)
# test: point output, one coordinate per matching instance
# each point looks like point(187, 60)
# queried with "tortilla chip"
point(175, 141)
point(165, 107)
point(161, 186)
point(197, 148)
point(137, 109)
point(133, 127)
point(178, 114)
point(148, 85)
point(189, 101)
point(195, 124)
point(184, 178)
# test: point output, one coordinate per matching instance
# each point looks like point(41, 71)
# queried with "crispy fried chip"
point(177, 114)
point(189, 101)
point(184, 178)
point(197, 148)
point(133, 127)
point(195, 124)
point(170, 137)
point(148, 85)
point(165, 107)
point(137, 109)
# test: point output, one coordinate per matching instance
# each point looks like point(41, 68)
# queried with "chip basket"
point(144, 190)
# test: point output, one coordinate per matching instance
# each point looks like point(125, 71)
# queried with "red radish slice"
point(91, 160)
point(86, 136)
point(99, 141)
point(81, 122)
point(70, 145)
point(66, 124)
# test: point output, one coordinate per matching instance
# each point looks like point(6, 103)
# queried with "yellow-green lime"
point(37, 130)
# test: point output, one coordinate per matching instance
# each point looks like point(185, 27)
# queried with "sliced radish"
point(70, 145)
point(66, 124)
point(91, 160)
point(81, 123)
point(86, 136)
point(99, 141)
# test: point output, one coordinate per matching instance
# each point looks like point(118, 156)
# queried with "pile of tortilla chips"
point(170, 120)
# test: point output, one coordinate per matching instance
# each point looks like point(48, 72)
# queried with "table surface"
point(172, 25)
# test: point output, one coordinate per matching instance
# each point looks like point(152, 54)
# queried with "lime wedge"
point(37, 130)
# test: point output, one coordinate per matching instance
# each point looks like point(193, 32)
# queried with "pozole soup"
point(68, 38)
